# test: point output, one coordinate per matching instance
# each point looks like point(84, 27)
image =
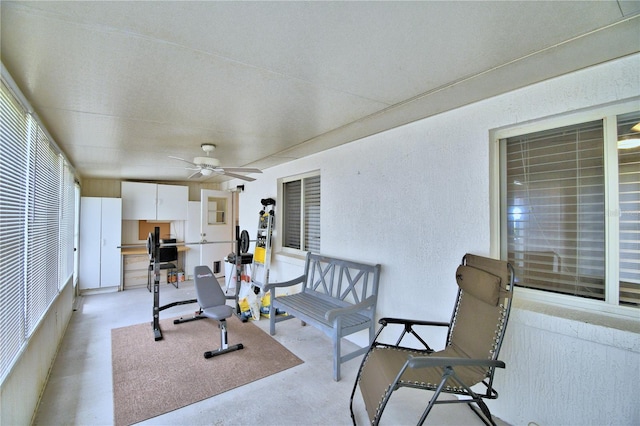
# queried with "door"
point(216, 225)
point(111, 258)
point(90, 229)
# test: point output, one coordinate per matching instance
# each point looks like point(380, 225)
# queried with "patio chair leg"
point(447, 372)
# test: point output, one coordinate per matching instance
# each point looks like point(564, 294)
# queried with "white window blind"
point(555, 208)
point(629, 202)
point(13, 201)
point(43, 224)
point(37, 218)
point(67, 223)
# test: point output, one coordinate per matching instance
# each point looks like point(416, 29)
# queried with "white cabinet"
point(173, 202)
point(100, 236)
point(138, 201)
point(150, 201)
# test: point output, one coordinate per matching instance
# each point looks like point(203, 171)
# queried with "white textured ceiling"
point(123, 85)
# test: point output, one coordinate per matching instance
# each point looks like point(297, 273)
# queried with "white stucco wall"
point(416, 198)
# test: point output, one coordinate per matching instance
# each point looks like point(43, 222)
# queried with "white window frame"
point(280, 217)
point(608, 114)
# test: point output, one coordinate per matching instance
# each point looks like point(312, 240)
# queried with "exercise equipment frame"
point(153, 247)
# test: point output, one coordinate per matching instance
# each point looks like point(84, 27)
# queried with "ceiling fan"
point(208, 166)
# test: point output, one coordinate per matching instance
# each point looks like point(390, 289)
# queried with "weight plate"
point(244, 241)
point(150, 245)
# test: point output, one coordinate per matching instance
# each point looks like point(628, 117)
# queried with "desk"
point(135, 266)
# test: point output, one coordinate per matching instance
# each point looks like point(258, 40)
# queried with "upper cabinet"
point(150, 201)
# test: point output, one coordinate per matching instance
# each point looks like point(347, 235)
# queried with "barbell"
point(151, 243)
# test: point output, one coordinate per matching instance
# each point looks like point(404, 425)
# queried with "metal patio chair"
point(470, 357)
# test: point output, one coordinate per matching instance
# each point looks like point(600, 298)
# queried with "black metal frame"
point(154, 244)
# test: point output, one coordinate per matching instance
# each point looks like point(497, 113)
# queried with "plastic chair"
point(470, 357)
point(212, 301)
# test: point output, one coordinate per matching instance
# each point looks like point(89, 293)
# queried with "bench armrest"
point(269, 286)
point(428, 361)
point(332, 314)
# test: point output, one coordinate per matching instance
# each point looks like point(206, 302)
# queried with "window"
point(37, 218)
point(300, 197)
point(570, 208)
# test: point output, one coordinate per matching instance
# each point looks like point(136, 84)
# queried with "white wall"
point(416, 198)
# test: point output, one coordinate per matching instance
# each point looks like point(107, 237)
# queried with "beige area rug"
point(152, 378)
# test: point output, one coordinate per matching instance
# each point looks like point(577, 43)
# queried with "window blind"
point(37, 218)
point(13, 201)
point(292, 195)
point(43, 228)
point(556, 211)
point(629, 204)
point(67, 223)
point(312, 214)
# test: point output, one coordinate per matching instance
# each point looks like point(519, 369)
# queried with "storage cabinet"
point(151, 201)
point(100, 236)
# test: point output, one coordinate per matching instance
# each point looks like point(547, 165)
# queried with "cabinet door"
point(89, 255)
point(138, 201)
point(173, 201)
point(111, 236)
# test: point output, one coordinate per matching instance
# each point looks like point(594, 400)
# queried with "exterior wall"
point(416, 198)
point(20, 392)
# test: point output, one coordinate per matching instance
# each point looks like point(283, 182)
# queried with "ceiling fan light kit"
point(207, 166)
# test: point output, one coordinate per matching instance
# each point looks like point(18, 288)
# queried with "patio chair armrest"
point(428, 361)
point(331, 314)
point(269, 286)
point(388, 320)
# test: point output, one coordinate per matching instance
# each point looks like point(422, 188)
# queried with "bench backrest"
point(344, 281)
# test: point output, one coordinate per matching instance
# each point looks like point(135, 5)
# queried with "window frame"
point(280, 218)
point(606, 113)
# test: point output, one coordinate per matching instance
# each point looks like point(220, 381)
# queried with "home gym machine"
point(153, 247)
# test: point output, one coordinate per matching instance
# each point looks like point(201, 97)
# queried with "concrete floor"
point(79, 390)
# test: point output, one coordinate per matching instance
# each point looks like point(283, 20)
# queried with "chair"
point(213, 305)
point(168, 257)
point(470, 356)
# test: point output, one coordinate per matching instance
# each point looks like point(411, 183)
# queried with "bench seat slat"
point(316, 308)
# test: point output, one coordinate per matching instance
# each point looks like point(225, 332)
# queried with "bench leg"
point(336, 356)
point(272, 319)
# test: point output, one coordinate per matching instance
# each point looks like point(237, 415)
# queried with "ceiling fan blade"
point(195, 175)
point(233, 175)
point(240, 169)
point(182, 159)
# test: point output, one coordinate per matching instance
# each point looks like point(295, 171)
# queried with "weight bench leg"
point(224, 345)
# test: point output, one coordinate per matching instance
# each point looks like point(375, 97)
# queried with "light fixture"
point(206, 172)
point(208, 147)
point(631, 140)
